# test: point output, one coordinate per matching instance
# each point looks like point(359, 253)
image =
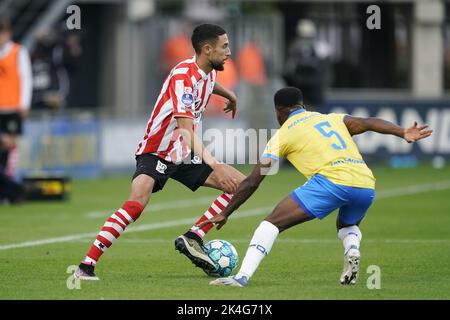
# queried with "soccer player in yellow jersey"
point(320, 146)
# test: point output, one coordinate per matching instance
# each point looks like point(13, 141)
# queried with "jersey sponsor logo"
point(161, 167)
point(187, 99)
point(188, 108)
point(198, 116)
point(196, 160)
point(259, 248)
point(302, 119)
point(347, 161)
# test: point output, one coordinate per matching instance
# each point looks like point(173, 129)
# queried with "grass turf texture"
point(407, 236)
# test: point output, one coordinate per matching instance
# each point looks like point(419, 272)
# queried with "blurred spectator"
point(10, 190)
point(251, 64)
point(175, 49)
point(55, 60)
point(15, 97)
point(307, 64)
point(447, 67)
point(72, 52)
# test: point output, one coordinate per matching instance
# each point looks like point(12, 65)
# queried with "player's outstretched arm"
point(356, 125)
point(243, 192)
point(227, 94)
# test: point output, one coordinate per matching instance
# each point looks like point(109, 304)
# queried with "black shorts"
point(192, 175)
point(11, 123)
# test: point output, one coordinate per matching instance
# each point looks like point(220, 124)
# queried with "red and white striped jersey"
point(185, 93)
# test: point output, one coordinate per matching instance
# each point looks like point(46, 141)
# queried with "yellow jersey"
point(318, 143)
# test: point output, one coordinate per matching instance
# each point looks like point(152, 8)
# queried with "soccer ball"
point(224, 255)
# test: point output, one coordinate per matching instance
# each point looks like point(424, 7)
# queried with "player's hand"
point(225, 178)
point(415, 133)
point(217, 220)
point(231, 106)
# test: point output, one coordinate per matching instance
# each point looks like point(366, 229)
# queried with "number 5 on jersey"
point(329, 134)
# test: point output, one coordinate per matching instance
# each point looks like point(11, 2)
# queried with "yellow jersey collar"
point(293, 113)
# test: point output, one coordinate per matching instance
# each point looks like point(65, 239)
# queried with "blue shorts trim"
point(271, 156)
point(319, 197)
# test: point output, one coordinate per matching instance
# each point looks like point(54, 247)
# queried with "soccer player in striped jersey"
point(320, 146)
point(15, 99)
point(171, 149)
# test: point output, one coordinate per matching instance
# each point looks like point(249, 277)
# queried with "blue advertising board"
point(61, 146)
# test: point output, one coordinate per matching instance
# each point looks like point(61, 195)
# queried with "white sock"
point(260, 246)
point(351, 237)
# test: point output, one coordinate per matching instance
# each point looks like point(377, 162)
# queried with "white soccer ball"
point(224, 255)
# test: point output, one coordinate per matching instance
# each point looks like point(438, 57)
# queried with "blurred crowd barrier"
point(95, 88)
point(87, 145)
point(62, 145)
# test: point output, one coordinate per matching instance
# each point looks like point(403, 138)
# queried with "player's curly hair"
point(288, 97)
point(205, 33)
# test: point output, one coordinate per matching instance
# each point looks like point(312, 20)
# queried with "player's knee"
point(141, 189)
point(212, 180)
point(343, 232)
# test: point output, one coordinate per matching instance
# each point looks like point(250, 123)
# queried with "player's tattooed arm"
point(356, 125)
point(227, 94)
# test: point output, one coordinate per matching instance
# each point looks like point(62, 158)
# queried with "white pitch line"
point(402, 191)
point(145, 227)
point(408, 190)
point(295, 241)
point(414, 189)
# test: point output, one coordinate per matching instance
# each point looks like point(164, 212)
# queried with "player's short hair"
point(288, 97)
point(205, 33)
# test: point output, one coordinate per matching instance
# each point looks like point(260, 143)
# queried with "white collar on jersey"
point(202, 73)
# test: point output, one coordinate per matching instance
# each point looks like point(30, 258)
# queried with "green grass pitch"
point(406, 233)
